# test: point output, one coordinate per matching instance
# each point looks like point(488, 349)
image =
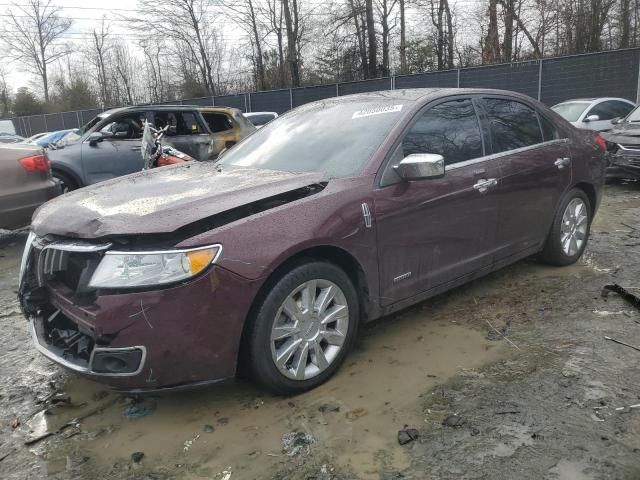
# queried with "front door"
point(432, 232)
point(119, 153)
point(536, 170)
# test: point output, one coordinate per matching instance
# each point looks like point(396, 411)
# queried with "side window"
point(610, 109)
point(450, 129)
point(218, 122)
point(622, 109)
point(513, 124)
point(126, 127)
point(185, 123)
point(549, 130)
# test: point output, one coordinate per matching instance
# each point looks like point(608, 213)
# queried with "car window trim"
point(114, 118)
point(515, 151)
point(416, 116)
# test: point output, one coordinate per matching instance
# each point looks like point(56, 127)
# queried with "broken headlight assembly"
point(146, 269)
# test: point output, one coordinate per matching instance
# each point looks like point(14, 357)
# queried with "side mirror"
point(95, 138)
point(616, 121)
point(420, 166)
point(591, 118)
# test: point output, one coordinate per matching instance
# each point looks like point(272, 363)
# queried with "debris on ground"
point(355, 413)
point(15, 423)
point(223, 421)
point(625, 294)
point(294, 443)
point(407, 435)
point(620, 342)
point(208, 428)
point(140, 408)
point(628, 408)
point(136, 457)
point(326, 407)
point(454, 420)
point(189, 443)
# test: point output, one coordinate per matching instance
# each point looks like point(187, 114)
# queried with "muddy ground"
point(540, 403)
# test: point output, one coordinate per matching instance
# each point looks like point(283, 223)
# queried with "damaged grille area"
point(64, 339)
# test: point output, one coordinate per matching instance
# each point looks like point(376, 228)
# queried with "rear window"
point(185, 123)
point(513, 124)
point(259, 120)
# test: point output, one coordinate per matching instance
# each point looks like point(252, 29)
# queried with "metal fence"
point(552, 80)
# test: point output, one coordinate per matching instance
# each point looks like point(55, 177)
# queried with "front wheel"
point(570, 230)
point(303, 328)
point(67, 184)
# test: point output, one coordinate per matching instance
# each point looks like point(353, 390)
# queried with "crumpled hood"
point(626, 133)
point(161, 200)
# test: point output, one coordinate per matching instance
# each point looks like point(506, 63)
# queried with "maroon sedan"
point(335, 214)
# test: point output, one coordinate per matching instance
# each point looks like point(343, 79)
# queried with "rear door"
point(120, 153)
point(536, 170)
point(432, 232)
point(191, 135)
point(225, 130)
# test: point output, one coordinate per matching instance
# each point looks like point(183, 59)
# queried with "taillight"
point(36, 163)
point(601, 142)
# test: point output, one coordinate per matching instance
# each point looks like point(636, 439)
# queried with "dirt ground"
point(507, 377)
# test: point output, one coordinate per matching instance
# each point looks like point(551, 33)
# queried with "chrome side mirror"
point(616, 121)
point(591, 118)
point(420, 166)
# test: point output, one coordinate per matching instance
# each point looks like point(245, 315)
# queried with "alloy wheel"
point(309, 329)
point(573, 231)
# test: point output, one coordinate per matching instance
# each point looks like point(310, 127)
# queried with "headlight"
point(143, 269)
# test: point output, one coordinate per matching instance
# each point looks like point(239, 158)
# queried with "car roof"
point(594, 100)
point(160, 108)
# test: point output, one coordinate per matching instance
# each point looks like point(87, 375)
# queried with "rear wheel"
point(570, 230)
point(67, 183)
point(303, 328)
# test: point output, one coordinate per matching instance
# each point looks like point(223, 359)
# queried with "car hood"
point(626, 133)
point(166, 199)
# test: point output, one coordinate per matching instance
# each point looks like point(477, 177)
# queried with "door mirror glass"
point(591, 118)
point(95, 138)
point(616, 121)
point(420, 166)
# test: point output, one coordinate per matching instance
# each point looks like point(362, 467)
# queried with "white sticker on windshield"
point(376, 111)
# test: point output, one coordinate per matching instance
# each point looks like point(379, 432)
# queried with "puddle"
point(568, 470)
point(353, 418)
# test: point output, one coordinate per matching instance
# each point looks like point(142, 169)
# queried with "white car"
point(259, 119)
point(594, 113)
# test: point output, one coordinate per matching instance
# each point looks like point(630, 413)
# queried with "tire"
point(570, 230)
point(297, 327)
point(67, 183)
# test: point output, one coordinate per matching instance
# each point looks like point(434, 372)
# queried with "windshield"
point(634, 116)
point(85, 128)
point(570, 111)
point(336, 138)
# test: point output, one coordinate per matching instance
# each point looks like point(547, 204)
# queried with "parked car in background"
point(259, 119)
point(623, 145)
point(109, 145)
point(52, 138)
point(25, 183)
point(593, 113)
point(35, 137)
point(277, 252)
point(10, 139)
point(7, 128)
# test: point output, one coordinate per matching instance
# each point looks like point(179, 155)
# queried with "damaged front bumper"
point(624, 161)
point(138, 341)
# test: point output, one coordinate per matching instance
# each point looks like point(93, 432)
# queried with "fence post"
point(638, 90)
point(213, 101)
point(391, 83)
point(458, 78)
point(44, 117)
point(291, 99)
point(245, 103)
point(540, 81)
point(337, 91)
point(78, 118)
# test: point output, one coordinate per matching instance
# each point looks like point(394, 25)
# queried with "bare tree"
point(187, 27)
point(32, 35)
point(385, 10)
point(97, 53)
point(5, 94)
point(403, 40)
point(292, 23)
point(371, 35)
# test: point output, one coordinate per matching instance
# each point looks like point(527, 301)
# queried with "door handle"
point(483, 185)
point(562, 162)
point(136, 149)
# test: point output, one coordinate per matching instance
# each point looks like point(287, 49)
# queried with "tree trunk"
point(385, 39)
point(403, 41)
point(292, 50)
point(450, 35)
point(362, 43)
point(625, 20)
point(260, 83)
point(491, 52)
point(507, 44)
point(371, 33)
